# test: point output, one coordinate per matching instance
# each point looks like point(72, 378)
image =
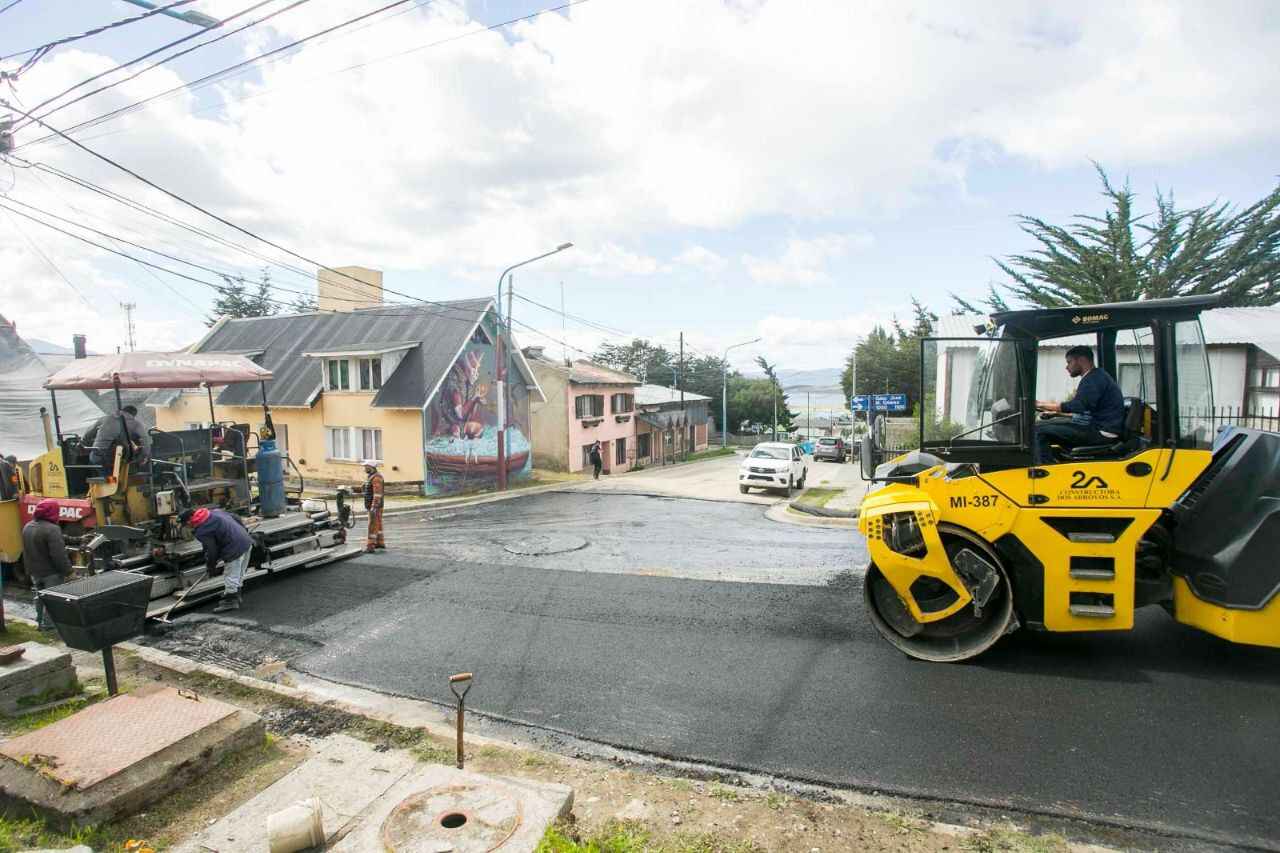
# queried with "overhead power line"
point(170, 58)
point(218, 75)
point(40, 51)
point(6, 8)
point(49, 261)
point(231, 70)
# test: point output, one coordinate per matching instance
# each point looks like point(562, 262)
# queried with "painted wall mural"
point(462, 447)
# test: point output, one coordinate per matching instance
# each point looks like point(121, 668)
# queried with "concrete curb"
point(477, 500)
point(823, 511)
point(780, 512)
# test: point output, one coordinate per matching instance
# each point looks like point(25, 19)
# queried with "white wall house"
point(1243, 347)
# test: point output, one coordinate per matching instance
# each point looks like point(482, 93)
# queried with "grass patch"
point(16, 632)
point(53, 694)
point(1012, 841)
point(27, 833)
point(817, 497)
point(31, 722)
point(633, 837)
point(777, 801)
point(710, 454)
point(725, 794)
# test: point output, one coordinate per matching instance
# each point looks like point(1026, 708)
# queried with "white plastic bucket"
point(296, 828)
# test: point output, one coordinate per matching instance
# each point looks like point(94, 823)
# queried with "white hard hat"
point(371, 463)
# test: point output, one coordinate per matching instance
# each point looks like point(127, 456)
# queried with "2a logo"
point(1079, 480)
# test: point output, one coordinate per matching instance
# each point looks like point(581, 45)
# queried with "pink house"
point(585, 403)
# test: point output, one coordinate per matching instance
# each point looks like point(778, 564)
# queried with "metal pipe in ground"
point(462, 679)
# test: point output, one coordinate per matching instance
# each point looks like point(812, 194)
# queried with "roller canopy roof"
point(156, 370)
point(1042, 323)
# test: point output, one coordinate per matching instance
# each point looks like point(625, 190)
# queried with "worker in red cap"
point(225, 539)
point(44, 552)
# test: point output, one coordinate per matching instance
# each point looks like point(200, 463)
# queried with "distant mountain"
point(46, 348)
point(824, 379)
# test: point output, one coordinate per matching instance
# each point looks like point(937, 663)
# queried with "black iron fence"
point(1268, 420)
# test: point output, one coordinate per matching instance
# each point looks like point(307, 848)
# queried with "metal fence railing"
point(1219, 417)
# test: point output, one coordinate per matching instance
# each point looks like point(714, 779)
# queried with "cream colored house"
point(412, 386)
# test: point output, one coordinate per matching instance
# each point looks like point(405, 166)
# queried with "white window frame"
point(354, 442)
point(343, 363)
point(364, 365)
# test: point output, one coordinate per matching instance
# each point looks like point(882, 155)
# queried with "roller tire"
point(960, 636)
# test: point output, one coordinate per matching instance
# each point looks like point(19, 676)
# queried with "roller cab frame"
point(969, 540)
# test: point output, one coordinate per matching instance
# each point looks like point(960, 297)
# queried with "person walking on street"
point(44, 552)
point(597, 461)
point(373, 491)
point(224, 538)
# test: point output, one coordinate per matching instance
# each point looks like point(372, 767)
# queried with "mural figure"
point(462, 451)
point(461, 400)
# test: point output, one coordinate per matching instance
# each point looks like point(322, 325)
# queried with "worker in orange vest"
point(373, 489)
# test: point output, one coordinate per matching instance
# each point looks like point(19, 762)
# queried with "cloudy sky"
point(793, 170)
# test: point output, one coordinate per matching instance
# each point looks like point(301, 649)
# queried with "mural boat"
point(476, 457)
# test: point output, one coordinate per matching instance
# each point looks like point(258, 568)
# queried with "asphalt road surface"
point(638, 639)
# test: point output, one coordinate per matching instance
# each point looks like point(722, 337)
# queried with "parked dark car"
point(830, 448)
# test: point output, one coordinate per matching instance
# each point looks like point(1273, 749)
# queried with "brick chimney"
point(349, 288)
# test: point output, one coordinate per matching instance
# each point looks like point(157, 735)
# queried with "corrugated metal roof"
point(654, 395)
point(584, 372)
point(437, 331)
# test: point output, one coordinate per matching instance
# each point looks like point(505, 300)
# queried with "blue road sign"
point(859, 403)
point(889, 402)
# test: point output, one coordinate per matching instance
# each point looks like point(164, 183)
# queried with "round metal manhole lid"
point(543, 545)
point(460, 818)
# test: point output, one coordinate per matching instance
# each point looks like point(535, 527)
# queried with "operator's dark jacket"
point(223, 537)
point(1098, 403)
point(44, 552)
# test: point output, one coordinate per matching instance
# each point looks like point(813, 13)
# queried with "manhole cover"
point(541, 546)
point(459, 818)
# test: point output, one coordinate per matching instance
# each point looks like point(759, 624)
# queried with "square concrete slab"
point(369, 799)
point(41, 669)
point(119, 755)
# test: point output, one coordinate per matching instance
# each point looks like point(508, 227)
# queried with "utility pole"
point(128, 312)
point(808, 414)
point(680, 383)
point(775, 409)
point(511, 289)
point(563, 333)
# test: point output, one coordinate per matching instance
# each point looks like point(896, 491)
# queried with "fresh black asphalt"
point(1162, 726)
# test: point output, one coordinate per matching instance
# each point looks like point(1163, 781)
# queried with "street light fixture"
point(502, 365)
point(724, 391)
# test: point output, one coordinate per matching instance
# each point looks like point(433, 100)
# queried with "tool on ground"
point(463, 678)
point(164, 620)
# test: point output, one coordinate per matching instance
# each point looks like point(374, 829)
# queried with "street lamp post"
point(724, 391)
point(502, 365)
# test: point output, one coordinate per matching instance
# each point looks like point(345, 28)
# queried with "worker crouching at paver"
point(224, 538)
point(44, 552)
point(373, 491)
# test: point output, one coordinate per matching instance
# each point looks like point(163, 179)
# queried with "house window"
point(353, 444)
point(1272, 378)
point(370, 374)
point(371, 444)
point(589, 405)
point(1138, 380)
point(338, 443)
point(622, 403)
point(338, 373)
point(642, 446)
point(620, 451)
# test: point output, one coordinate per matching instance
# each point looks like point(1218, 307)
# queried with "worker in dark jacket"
point(8, 478)
point(113, 431)
point(1096, 410)
point(44, 552)
point(224, 538)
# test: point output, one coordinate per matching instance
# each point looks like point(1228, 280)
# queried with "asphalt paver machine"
point(970, 540)
point(128, 520)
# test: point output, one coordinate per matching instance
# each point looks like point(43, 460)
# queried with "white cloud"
point(624, 123)
point(805, 261)
point(702, 259)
